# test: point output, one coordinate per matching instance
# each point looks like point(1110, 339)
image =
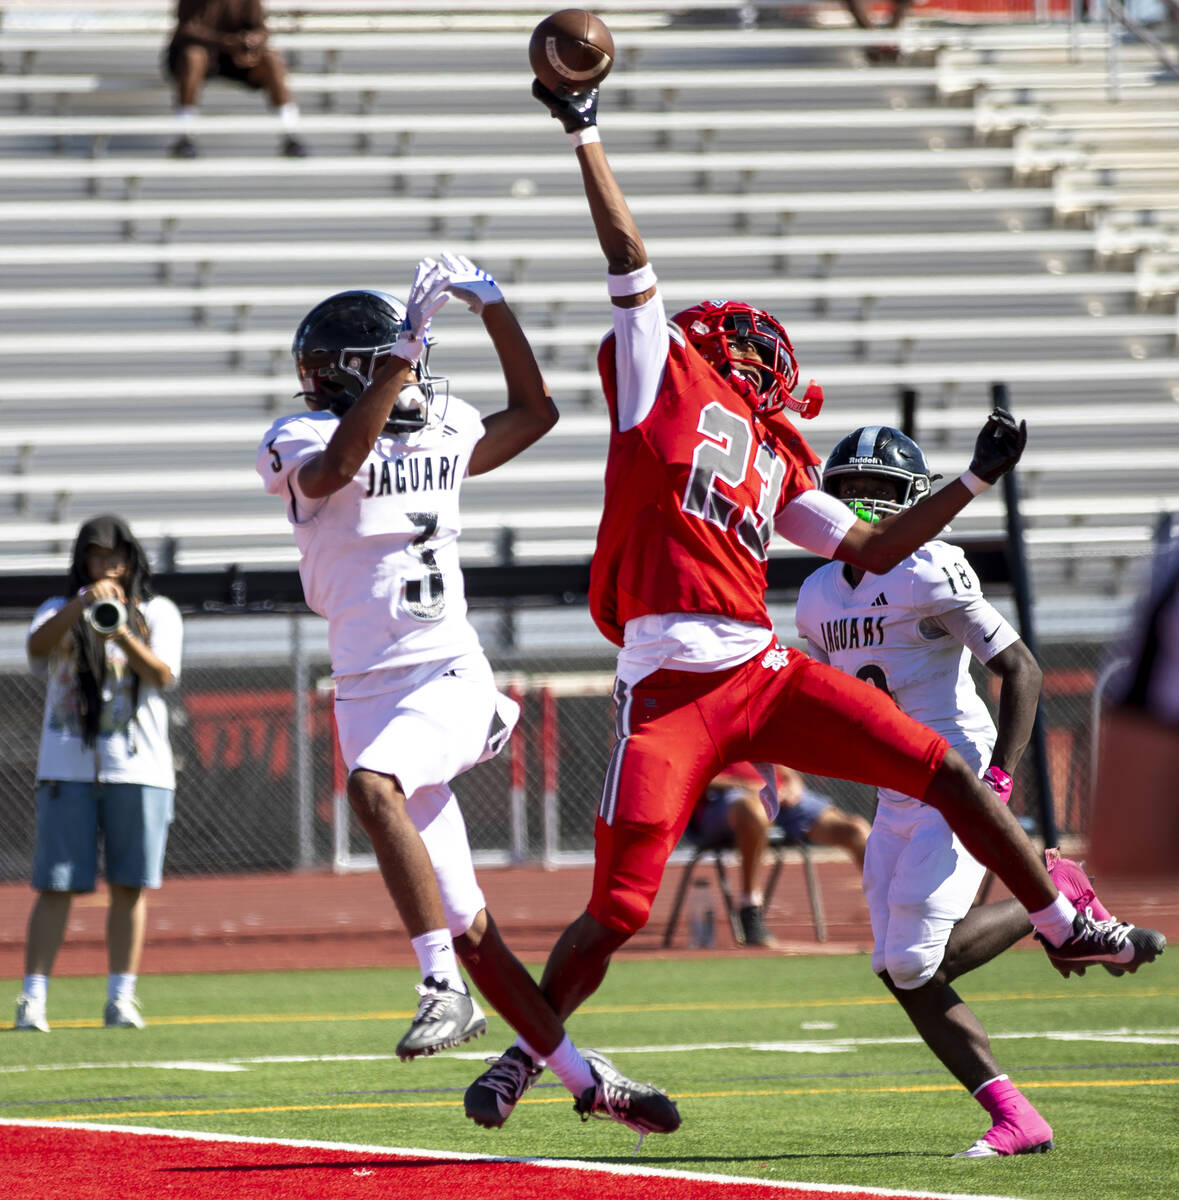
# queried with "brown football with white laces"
point(571, 51)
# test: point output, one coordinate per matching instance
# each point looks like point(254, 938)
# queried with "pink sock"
point(1016, 1126)
point(1073, 881)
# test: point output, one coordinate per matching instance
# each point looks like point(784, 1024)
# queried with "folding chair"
point(779, 842)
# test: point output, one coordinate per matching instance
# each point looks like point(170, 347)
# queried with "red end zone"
point(60, 1161)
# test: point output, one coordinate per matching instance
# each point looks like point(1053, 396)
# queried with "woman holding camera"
point(108, 649)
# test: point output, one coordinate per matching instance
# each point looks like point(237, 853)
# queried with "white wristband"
point(582, 137)
point(972, 483)
point(633, 283)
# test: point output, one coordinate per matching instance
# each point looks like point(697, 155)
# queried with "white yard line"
point(1137, 1037)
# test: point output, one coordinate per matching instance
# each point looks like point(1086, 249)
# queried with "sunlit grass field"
point(783, 1068)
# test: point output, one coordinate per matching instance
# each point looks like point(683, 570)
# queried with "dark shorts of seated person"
point(221, 66)
point(710, 821)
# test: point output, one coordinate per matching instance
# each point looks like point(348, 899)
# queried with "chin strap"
point(806, 406)
point(810, 403)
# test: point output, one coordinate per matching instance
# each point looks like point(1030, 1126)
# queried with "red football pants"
point(677, 729)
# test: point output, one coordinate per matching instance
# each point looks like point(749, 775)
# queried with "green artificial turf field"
point(783, 1068)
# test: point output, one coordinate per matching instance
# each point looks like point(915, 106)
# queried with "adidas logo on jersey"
point(881, 601)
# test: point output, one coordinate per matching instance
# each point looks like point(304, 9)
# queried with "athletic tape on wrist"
point(999, 782)
point(632, 283)
point(582, 137)
point(408, 347)
point(973, 484)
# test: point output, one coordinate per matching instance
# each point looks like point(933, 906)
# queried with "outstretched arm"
point(880, 547)
point(618, 235)
point(530, 412)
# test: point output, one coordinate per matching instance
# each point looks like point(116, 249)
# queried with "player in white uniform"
point(370, 478)
point(911, 632)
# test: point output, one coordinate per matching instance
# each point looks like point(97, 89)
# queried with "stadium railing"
point(585, 386)
point(907, 335)
point(862, 290)
point(775, 250)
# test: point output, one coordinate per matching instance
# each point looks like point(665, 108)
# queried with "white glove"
point(469, 283)
point(427, 294)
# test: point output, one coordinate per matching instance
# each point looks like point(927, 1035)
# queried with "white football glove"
point(469, 283)
point(427, 294)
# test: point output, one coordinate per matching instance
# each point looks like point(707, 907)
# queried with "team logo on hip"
point(776, 658)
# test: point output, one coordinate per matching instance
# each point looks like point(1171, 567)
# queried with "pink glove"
point(999, 782)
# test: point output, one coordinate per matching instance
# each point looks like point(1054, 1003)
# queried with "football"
point(571, 51)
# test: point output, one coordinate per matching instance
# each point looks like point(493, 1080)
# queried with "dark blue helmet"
point(879, 452)
point(338, 346)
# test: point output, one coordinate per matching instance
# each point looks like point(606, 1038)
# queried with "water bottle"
point(701, 918)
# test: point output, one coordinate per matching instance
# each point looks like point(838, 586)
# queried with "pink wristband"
point(999, 782)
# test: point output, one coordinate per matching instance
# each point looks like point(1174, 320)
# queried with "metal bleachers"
point(924, 225)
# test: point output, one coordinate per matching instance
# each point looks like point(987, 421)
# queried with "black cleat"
point(1115, 945)
point(489, 1101)
point(639, 1106)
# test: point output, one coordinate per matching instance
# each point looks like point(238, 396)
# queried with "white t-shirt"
point(131, 747)
point(379, 558)
point(911, 632)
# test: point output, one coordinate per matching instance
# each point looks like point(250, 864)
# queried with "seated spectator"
point(226, 38)
point(732, 802)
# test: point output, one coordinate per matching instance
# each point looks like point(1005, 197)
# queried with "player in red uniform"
point(702, 464)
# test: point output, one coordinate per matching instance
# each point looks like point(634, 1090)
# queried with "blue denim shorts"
point(710, 820)
point(128, 820)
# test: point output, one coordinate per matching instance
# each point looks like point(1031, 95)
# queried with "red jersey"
point(690, 497)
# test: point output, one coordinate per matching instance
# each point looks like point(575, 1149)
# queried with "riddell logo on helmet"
point(863, 458)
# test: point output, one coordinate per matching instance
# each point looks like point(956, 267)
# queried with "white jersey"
point(132, 744)
point(910, 632)
point(379, 558)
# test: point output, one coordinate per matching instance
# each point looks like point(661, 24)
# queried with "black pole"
point(909, 412)
point(1017, 552)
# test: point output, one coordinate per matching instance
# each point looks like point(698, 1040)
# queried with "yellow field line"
point(616, 1009)
point(728, 1095)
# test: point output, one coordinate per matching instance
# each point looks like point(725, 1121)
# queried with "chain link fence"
point(260, 784)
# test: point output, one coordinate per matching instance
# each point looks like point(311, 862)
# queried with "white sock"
point(436, 957)
point(538, 1060)
point(36, 987)
point(570, 1068)
point(750, 898)
point(1056, 921)
point(186, 118)
point(119, 986)
point(288, 116)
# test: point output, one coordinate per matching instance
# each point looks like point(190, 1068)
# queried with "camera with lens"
point(106, 616)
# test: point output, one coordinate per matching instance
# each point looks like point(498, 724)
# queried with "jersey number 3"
point(425, 598)
point(724, 455)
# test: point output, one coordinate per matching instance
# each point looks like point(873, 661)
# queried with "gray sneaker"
point(444, 1018)
point(123, 1013)
point(30, 1014)
point(639, 1106)
point(492, 1097)
point(753, 927)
